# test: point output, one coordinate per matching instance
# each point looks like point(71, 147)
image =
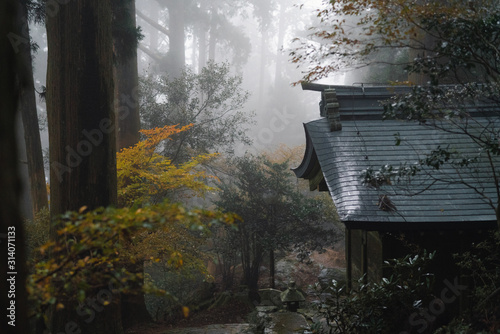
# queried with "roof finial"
point(330, 109)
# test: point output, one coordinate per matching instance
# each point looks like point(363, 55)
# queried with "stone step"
point(212, 329)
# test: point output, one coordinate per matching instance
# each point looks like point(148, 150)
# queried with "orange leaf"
point(185, 311)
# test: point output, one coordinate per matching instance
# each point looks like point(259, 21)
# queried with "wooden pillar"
point(364, 258)
point(348, 258)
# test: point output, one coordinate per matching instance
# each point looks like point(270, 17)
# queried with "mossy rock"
point(286, 323)
point(328, 274)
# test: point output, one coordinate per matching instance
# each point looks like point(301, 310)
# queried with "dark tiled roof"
point(367, 141)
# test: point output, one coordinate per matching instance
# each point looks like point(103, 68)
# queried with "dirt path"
point(212, 329)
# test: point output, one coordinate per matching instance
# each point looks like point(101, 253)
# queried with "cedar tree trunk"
point(127, 87)
point(80, 106)
point(27, 107)
point(133, 306)
point(212, 42)
point(81, 132)
point(176, 52)
point(12, 274)
point(202, 28)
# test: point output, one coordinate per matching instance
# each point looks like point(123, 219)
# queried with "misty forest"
point(262, 166)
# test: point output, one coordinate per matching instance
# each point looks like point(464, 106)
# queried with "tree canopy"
point(274, 212)
point(212, 101)
point(350, 32)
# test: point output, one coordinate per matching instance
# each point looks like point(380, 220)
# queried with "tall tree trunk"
point(212, 43)
point(202, 40)
point(202, 48)
point(153, 45)
point(176, 52)
point(27, 107)
point(80, 106)
point(25, 204)
point(271, 268)
point(133, 307)
point(82, 131)
point(278, 77)
point(262, 67)
point(154, 34)
point(194, 44)
point(12, 274)
point(251, 260)
point(127, 87)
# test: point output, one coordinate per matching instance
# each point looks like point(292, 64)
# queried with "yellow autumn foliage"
point(112, 244)
point(103, 248)
point(144, 175)
point(286, 153)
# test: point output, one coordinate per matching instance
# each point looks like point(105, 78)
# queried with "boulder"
point(286, 323)
point(328, 274)
point(270, 297)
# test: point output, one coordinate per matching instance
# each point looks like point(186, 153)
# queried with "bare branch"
point(153, 23)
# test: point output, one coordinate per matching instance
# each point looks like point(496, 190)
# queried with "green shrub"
point(384, 307)
point(106, 248)
point(481, 267)
point(37, 234)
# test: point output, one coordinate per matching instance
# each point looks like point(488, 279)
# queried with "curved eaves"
point(310, 160)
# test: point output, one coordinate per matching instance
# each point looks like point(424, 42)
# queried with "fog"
point(254, 37)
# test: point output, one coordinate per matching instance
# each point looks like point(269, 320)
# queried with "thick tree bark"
point(12, 274)
point(133, 306)
point(82, 132)
point(80, 106)
point(27, 108)
point(126, 89)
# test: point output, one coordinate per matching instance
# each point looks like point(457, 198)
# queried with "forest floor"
point(230, 313)
point(235, 311)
